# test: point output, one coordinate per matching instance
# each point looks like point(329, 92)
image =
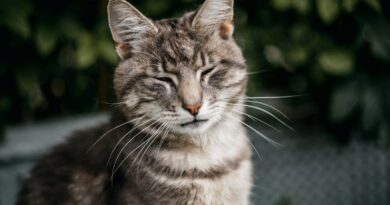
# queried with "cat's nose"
point(192, 108)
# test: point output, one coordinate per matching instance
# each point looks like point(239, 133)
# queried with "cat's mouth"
point(194, 123)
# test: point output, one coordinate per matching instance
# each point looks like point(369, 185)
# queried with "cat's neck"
point(224, 142)
point(219, 154)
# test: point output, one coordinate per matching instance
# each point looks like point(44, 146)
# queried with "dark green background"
point(57, 59)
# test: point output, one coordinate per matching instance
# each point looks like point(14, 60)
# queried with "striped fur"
point(154, 151)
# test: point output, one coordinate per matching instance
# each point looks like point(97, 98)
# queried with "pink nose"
point(193, 109)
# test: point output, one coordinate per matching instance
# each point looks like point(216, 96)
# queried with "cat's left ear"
point(129, 27)
point(215, 16)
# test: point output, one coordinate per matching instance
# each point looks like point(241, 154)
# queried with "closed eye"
point(207, 71)
point(165, 79)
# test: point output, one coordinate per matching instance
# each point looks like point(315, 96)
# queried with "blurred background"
point(57, 61)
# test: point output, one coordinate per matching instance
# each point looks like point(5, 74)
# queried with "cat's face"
point(184, 74)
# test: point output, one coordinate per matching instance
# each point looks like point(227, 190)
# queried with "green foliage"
point(328, 10)
point(14, 15)
point(54, 55)
point(336, 50)
point(58, 58)
point(336, 62)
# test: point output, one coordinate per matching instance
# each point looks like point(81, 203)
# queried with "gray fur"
point(152, 152)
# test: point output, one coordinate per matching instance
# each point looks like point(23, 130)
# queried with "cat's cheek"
point(234, 78)
point(131, 100)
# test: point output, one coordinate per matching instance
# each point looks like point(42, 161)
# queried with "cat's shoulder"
point(69, 172)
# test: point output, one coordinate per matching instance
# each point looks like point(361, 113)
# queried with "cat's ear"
point(215, 16)
point(129, 27)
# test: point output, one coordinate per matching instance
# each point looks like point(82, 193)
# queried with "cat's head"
point(186, 74)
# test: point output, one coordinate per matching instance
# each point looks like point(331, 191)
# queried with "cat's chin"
point(194, 124)
point(195, 128)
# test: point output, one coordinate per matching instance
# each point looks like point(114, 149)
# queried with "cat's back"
point(70, 174)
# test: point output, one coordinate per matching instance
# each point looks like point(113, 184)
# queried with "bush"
point(58, 58)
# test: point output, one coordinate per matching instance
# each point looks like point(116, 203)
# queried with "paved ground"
point(305, 171)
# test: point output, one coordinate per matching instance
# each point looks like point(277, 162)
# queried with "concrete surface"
point(304, 171)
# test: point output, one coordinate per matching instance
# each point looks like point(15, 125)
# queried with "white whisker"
point(257, 132)
point(269, 106)
point(127, 143)
point(170, 126)
point(154, 137)
point(126, 134)
point(258, 72)
point(109, 131)
point(128, 155)
point(275, 97)
point(265, 111)
point(254, 118)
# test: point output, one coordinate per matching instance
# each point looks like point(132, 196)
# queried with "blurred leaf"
point(281, 5)
point(86, 52)
point(274, 55)
point(375, 4)
point(105, 45)
point(107, 51)
point(302, 6)
point(157, 6)
point(26, 79)
point(328, 10)
point(336, 62)
point(349, 5)
point(14, 15)
point(70, 27)
point(45, 40)
point(299, 32)
point(29, 87)
point(298, 56)
point(344, 101)
point(376, 32)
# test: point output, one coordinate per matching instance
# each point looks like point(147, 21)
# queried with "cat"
point(176, 136)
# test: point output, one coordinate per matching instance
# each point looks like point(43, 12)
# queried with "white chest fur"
point(223, 145)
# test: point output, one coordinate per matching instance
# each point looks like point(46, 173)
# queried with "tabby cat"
point(176, 136)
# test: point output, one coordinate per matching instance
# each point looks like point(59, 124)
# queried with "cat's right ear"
point(215, 16)
point(129, 27)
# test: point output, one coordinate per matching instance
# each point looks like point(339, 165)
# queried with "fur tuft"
point(129, 27)
point(215, 15)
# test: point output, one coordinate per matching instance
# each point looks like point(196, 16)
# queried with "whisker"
point(275, 97)
point(170, 126)
point(109, 131)
point(127, 156)
point(114, 170)
point(257, 132)
point(249, 141)
point(155, 136)
point(253, 118)
point(267, 112)
point(269, 106)
point(258, 72)
point(126, 134)
point(254, 147)
point(267, 97)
